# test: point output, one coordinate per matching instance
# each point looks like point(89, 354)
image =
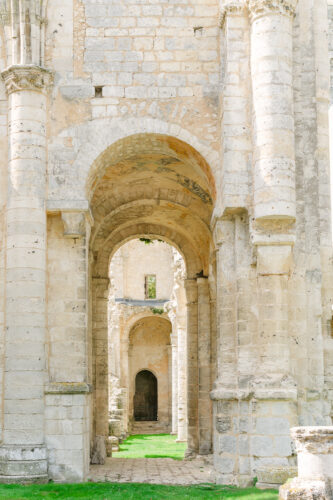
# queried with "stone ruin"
point(203, 124)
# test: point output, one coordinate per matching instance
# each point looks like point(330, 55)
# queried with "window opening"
point(150, 286)
point(99, 92)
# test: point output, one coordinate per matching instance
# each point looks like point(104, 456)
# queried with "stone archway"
point(145, 397)
point(155, 186)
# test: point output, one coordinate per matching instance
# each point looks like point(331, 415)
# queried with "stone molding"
point(68, 388)
point(259, 8)
point(30, 77)
point(68, 206)
point(287, 393)
point(202, 280)
point(226, 394)
point(231, 7)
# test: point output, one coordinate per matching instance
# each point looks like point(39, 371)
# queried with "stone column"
point(191, 288)
point(314, 446)
point(100, 362)
point(23, 453)
point(272, 90)
point(124, 379)
point(174, 378)
point(182, 384)
point(169, 414)
point(204, 363)
point(273, 231)
point(236, 105)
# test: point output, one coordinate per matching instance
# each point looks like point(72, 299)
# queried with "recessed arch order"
point(151, 185)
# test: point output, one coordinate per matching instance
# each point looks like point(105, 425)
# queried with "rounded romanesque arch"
point(79, 155)
point(155, 186)
point(151, 184)
point(135, 318)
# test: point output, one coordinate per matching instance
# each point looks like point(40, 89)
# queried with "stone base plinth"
point(190, 454)
point(273, 477)
point(23, 465)
point(300, 489)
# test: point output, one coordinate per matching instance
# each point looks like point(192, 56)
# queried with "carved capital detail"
point(259, 8)
point(232, 7)
point(74, 224)
point(18, 78)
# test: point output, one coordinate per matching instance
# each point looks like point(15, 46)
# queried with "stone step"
point(150, 428)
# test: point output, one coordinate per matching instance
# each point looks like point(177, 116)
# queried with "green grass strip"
point(151, 446)
point(131, 491)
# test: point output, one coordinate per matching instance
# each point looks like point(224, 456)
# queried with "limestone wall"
point(161, 65)
point(204, 124)
point(140, 259)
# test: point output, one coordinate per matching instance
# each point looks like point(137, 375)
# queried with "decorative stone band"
point(232, 7)
point(68, 388)
point(286, 394)
point(30, 77)
point(315, 440)
point(259, 8)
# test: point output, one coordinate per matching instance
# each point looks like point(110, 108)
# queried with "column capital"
point(174, 339)
point(259, 8)
point(232, 7)
point(76, 223)
point(202, 280)
point(203, 285)
point(29, 77)
point(223, 232)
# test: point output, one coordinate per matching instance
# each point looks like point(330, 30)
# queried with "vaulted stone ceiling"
point(152, 185)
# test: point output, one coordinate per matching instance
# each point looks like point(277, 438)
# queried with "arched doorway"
point(155, 186)
point(145, 397)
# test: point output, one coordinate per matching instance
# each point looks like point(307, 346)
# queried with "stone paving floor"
point(154, 471)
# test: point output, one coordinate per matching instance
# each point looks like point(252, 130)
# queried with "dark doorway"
point(145, 398)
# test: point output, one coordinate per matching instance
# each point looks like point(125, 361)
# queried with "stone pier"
point(23, 454)
point(204, 364)
point(191, 289)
